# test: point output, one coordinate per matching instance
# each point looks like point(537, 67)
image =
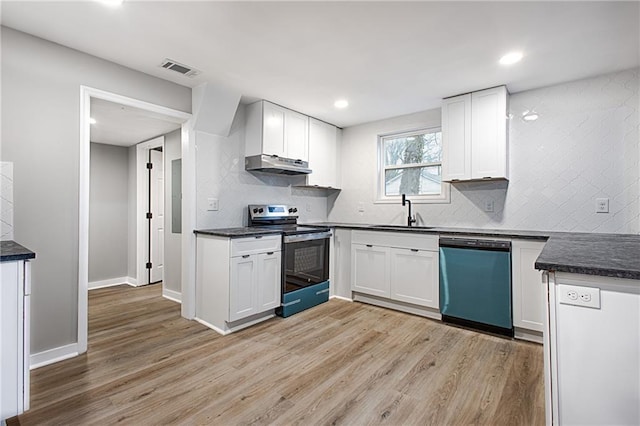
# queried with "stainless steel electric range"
point(305, 257)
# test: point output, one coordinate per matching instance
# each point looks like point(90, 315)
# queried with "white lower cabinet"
point(370, 269)
point(415, 276)
point(15, 290)
point(255, 284)
point(396, 266)
point(238, 281)
point(528, 289)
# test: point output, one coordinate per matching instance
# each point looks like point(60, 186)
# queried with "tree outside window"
point(411, 163)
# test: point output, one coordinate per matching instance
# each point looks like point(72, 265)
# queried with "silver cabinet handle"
point(369, 245)
point(416, 250)
point(258, 237)
point(269, 253)
point(245, 256)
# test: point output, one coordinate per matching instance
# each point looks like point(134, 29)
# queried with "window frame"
point(445, 188)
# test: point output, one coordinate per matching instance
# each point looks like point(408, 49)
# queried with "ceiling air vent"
point(180, 68)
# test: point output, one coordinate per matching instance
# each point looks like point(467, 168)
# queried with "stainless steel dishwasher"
point(475, 284)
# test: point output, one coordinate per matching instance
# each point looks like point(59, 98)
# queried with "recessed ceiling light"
point(511, 58)
point(342, 103)
point(92, 121)
point(112, 3)
point(530, 116)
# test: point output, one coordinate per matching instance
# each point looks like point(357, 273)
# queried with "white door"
point(370, 269)
point(156, 243)
point(296, 135)
point(273, 130)
point(414, 276)
point(242, 288)
point(269, 281)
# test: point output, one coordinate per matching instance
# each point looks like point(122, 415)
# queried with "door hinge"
point(148, 265)
point(149, 165)
point(149, 215)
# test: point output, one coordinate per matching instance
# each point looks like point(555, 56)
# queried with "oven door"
point(306, 260)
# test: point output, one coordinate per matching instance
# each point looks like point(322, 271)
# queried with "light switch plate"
point(588, 297)
point(212, 204)
point(602, 205)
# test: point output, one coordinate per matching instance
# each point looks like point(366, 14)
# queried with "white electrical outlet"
point(212, 204)
point(360, 208)
point(488, 205)
point(588, 297)
point(602, 205)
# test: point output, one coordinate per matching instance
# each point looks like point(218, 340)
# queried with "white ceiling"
point(126, 126)
point(386, 58)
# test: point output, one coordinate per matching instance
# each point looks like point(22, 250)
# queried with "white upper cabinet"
point(274, 130)
point(323, 155)
point(474, 136)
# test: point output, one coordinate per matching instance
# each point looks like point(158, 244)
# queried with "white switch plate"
point(212, 204)
point(588, 297)
point(602, 205)
point(488, 206)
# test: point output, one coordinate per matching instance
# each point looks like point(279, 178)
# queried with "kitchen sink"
point(400, 227)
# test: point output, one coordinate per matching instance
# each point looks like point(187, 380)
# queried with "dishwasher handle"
point(468, 243)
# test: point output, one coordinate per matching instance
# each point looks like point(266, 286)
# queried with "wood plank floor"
point(339, 363)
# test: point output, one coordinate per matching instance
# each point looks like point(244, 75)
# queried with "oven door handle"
point(307, 237)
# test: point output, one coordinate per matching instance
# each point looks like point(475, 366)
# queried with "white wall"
point(6, 201)
point(583, 146)
point(40, 135)
point(108, 212)
point(172, 241)
point(220, 174)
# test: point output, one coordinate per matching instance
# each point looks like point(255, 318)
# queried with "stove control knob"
point(290, 210)
point(255, 211)
point(295, 210)
point(260, 210)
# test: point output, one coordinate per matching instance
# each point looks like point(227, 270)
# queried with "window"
point(411, 163)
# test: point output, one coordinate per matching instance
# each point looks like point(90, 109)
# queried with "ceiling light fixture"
point(342, 103)
point(530, 115)
point(511, 58)
point(111, 3)
point(92, 120)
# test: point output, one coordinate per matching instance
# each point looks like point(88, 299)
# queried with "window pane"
point(413, 149)
point(413, 181)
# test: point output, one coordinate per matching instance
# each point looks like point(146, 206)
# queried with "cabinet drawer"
point(396, 239)
point(257, 244)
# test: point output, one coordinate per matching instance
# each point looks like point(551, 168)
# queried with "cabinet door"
point(242, 290)
point(269, 281)
point(415, 277)
point(528, 290)
point(489, 133)
point(370, 269)
point(456, 138)
point(322, 154)
point(273, 133)
point(296, 128)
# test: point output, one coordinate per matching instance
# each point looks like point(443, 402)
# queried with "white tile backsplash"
point(584, 146)
point(6, 200)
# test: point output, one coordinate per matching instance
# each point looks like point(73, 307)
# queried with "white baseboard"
point(112, 282)
point(340, 298)
point(53, 355)
point(172, 295)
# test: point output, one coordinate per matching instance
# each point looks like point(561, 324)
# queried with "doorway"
point(153, 240)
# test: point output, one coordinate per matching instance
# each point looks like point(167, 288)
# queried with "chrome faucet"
point(410, 219)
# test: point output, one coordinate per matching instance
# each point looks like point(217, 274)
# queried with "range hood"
point(276, 165)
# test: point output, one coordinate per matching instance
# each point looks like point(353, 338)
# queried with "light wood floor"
point(339, 363)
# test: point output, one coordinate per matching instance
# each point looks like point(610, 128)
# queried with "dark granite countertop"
point(608, 255)
point(237, 232)
point(10, 250)
point(496, 233)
